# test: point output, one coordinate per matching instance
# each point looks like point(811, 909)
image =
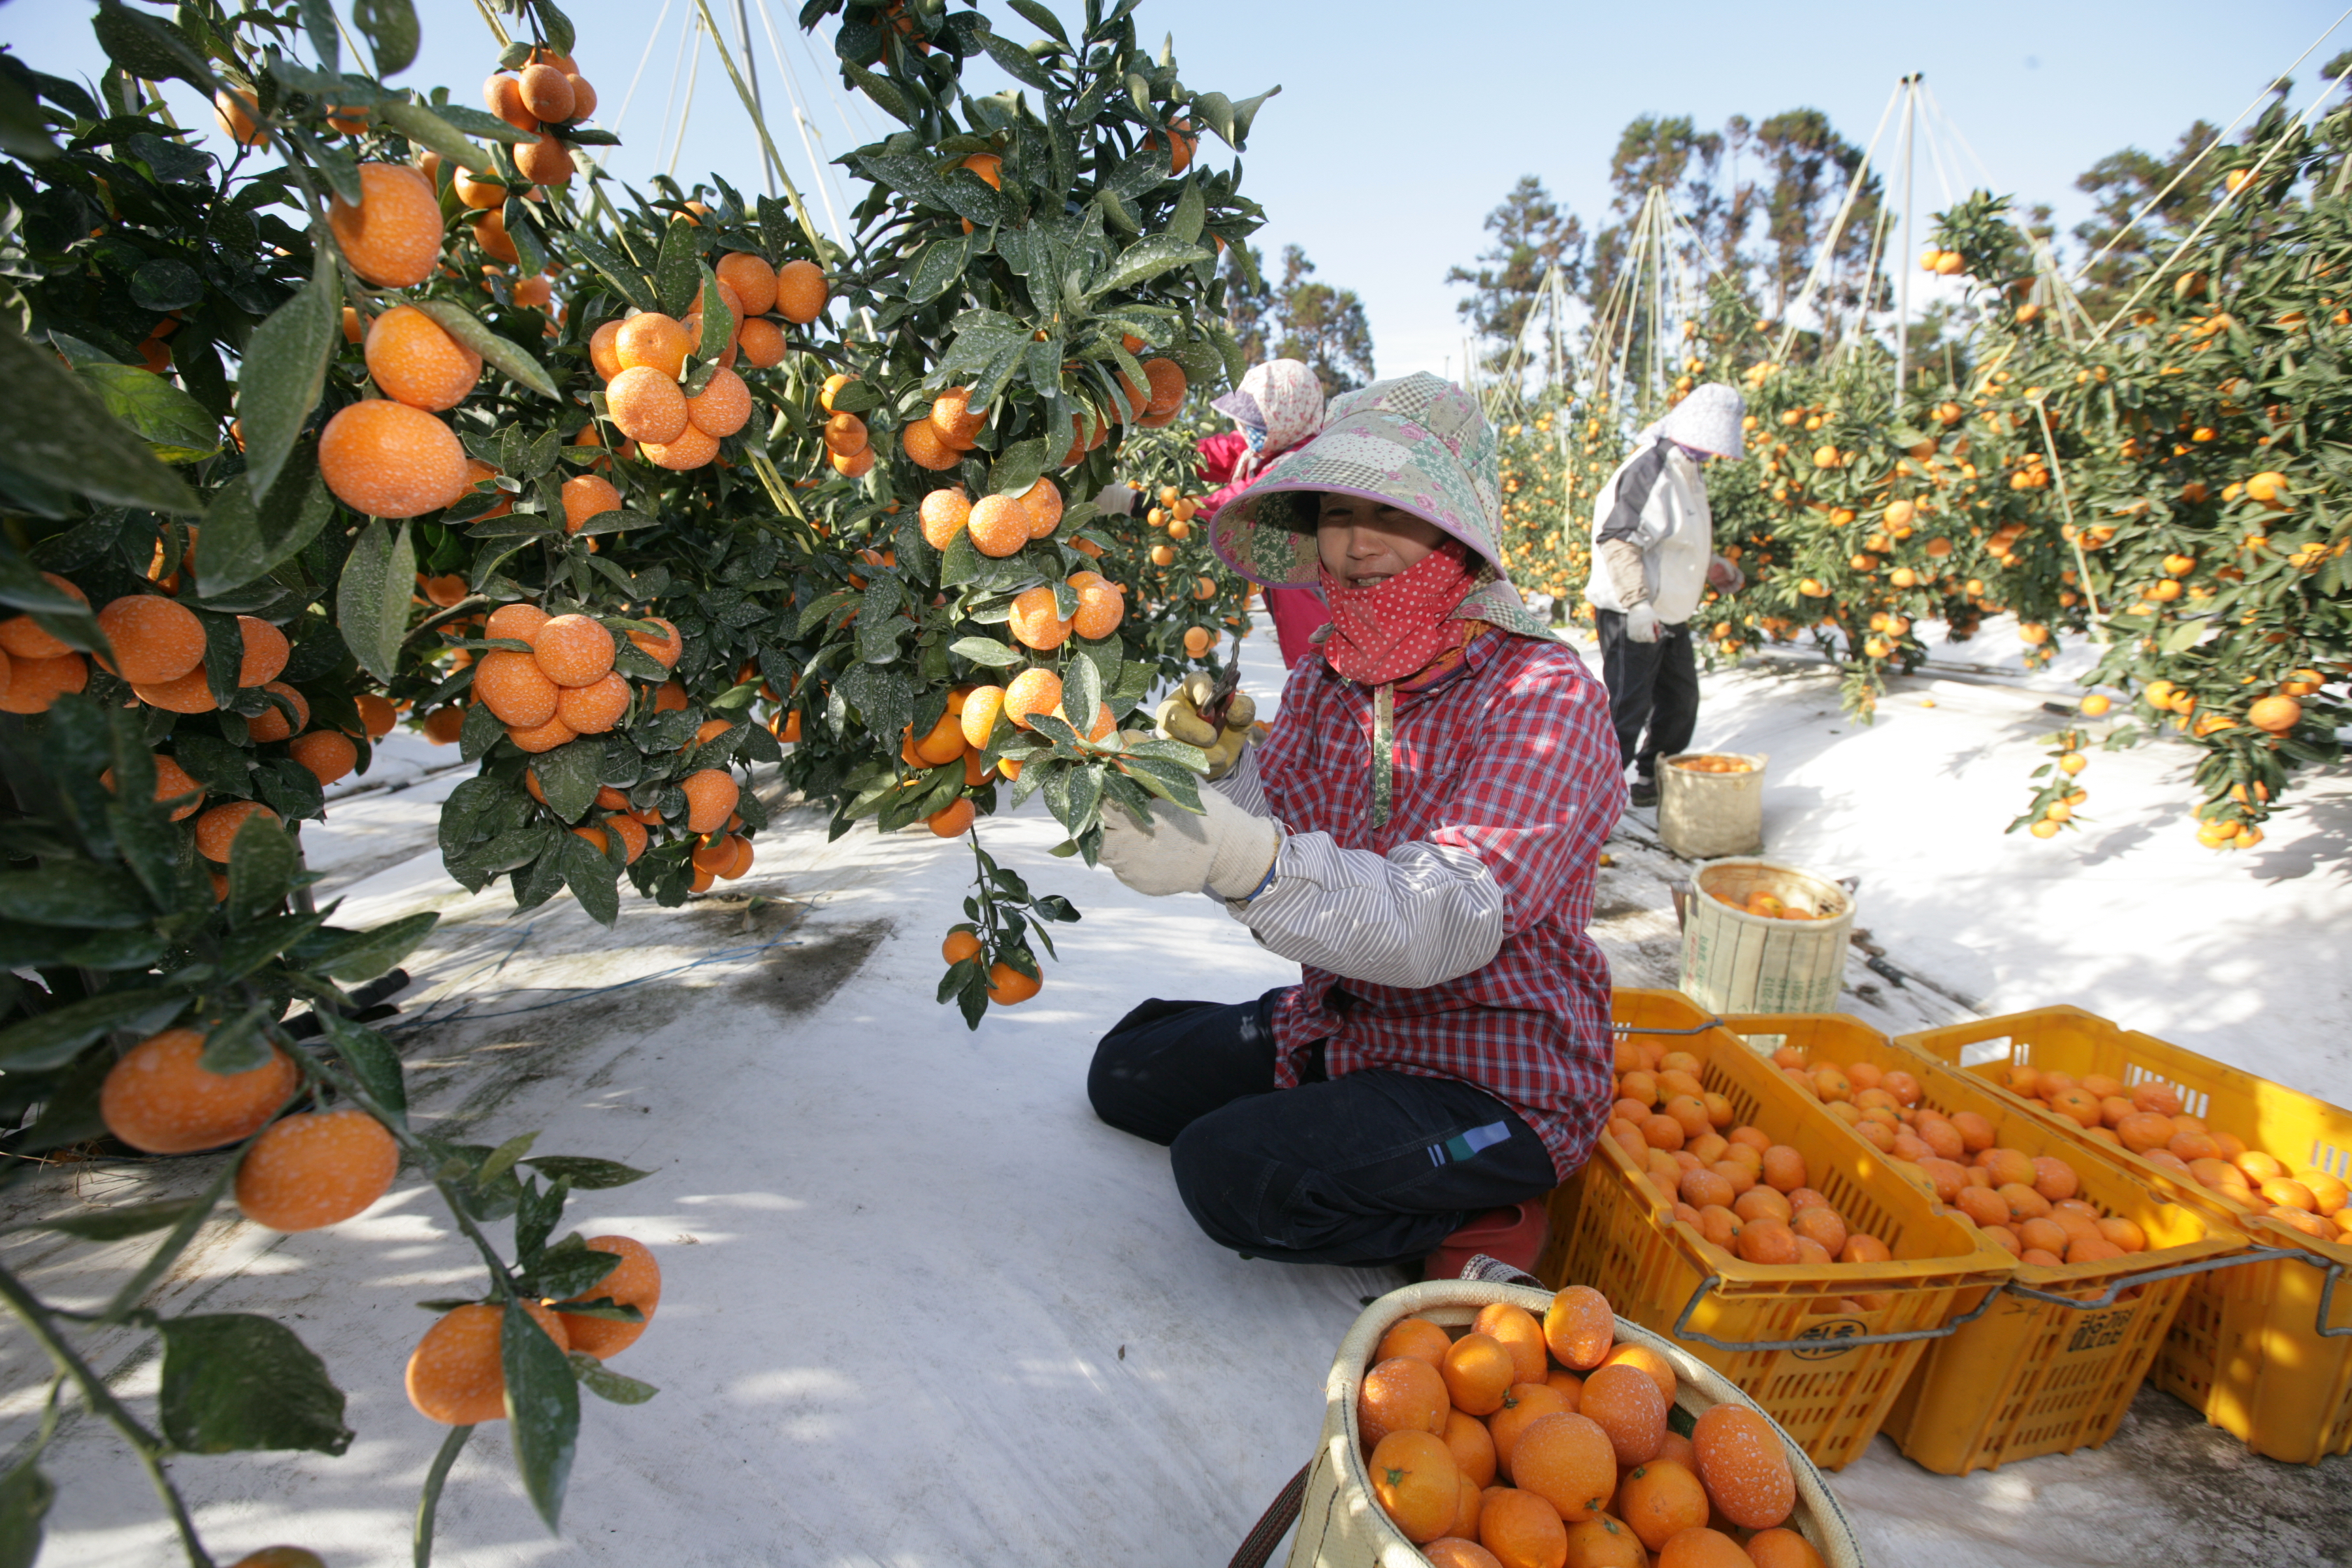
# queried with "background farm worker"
point(1278, 405)
point(1420, 832)
point(1653, 552)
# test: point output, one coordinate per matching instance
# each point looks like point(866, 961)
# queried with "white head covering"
point(1707, 419)
point(1283, 400)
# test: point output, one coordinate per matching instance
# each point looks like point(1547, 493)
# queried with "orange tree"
point(2161, 485)
point(208, 585)
point(1028, 284)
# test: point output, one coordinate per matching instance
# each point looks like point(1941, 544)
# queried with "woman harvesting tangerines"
point(1420, 832)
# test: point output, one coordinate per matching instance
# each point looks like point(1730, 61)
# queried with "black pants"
point(1651, 684)
point(1370, 1168)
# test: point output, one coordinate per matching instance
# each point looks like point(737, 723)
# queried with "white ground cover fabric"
point(920, 1309)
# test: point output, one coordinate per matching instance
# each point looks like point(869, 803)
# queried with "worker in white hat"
point(1653, 556)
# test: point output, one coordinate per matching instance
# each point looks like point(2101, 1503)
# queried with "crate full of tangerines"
point(1729, 1211)
point(1476, 1426)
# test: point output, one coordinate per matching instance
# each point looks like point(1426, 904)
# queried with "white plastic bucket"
point(1734, 961)
point(1341, 1526)
point(1707, 816)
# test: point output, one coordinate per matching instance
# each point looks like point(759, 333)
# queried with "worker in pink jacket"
point(1420, 832)
point(1278, 405)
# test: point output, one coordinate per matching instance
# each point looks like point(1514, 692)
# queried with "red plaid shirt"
point(1512, 757)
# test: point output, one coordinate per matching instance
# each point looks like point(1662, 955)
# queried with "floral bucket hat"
point(1418, 442)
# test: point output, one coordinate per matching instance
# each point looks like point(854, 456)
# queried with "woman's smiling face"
point(1366, 542)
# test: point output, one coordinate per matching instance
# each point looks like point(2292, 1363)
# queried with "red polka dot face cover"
point(1393, 630)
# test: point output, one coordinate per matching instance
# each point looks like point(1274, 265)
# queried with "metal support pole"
point(751, 75)
point(1910, 243)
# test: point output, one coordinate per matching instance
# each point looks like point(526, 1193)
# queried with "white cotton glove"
point(1116, 497)
point(1224, 851)
point(1641, 622)
point(1191, 716)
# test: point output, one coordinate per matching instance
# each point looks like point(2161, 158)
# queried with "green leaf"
point(428, 1499)
point(1191, 210)
point(283, 372)
point(626, 279)
point(392, 33)
point(718, 321)
point(568, 776)
point(239, 1045)
point(1018, 466)
point(243, 542)
point(53, 1038)
point(985, 651)
point(502, 1158)
point(1016, 62)
point(883, 91)
point(319, 22)
point(262, 861)
point(593, 876)
point(543, 1407)
point(75, 893)
point(25, 1498)
point(1041, 17)
point(371, 599)
point(26, 946)
point(677, 271)
point(604, 1385)
point(77, 444)
point(164, 284)
point(119, 1223)
point(476, 122)
point(149, 47)
point(570, 1268)
point(238, 1381)
point(584, 1173)
point(1144, 260)
point(560, 33)
point(1081, 693)
point(373, 1061)
point(364, 954)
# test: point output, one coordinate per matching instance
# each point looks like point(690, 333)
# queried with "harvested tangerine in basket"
point(1743, 1467)
point(1579, 1328)
point(1401, 1395)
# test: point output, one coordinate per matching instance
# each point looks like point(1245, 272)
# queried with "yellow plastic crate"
point(1826, 1371)
point(2053, 1371)
point(2264, 1351)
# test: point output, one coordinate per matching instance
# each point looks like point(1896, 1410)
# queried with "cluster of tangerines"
point(1771, 906)
point(1175, 514)
point(1740, 1190)
point(642, 359)
point(545, 97)
point(2147, 1119)
point(1543, 1443)
point(2031, 1205)
point(315, 1168)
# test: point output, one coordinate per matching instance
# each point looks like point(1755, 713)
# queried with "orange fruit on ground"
point(1008, 986)
point(645, 403)
point(572, 650)
point(271, 723)
point(155, 639)
point(1045, 504)
point(753, 280)
point(1660, 1499)
point(1453, 1552)
point(1416, 1483)
point(800, 292)
point(457, 1375)
point(387, 459)
point(1403, 1394)
point(982, 705)
point(1702, 1548)
point(944, 513)
point(664, 649)
point(1478, 1371)
point(1624, 1401)
point(761, 343)
point(1781, 1548)
point(1472, 1446)
point(693, 449)
point(1743, 1467)
point(635, 1283)
point(722, 407)
point(960, 946)
point(516, 621)
point(1604, 1542)
point(595, 708)
point(999, 525)
point(1036, 621)
point(952, 420)
point(160, 1099)
point(266, 651)
point(327, 755)
point(34, 684)
point(316, 1169)
point(1416, 1337)
point(1569, 1462)
point(1032, 691)
point(392, 238)
point(1515, 1329)
point(952, 820)
point(1524, 1404)
point(418, 364)
point(1579, 1328)
point(1522, 1530)
point(216, 829)
point(584, 496)
point(710, 797)
point(654, 341)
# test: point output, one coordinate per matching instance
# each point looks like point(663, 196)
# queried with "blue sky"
point(1400, 126)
